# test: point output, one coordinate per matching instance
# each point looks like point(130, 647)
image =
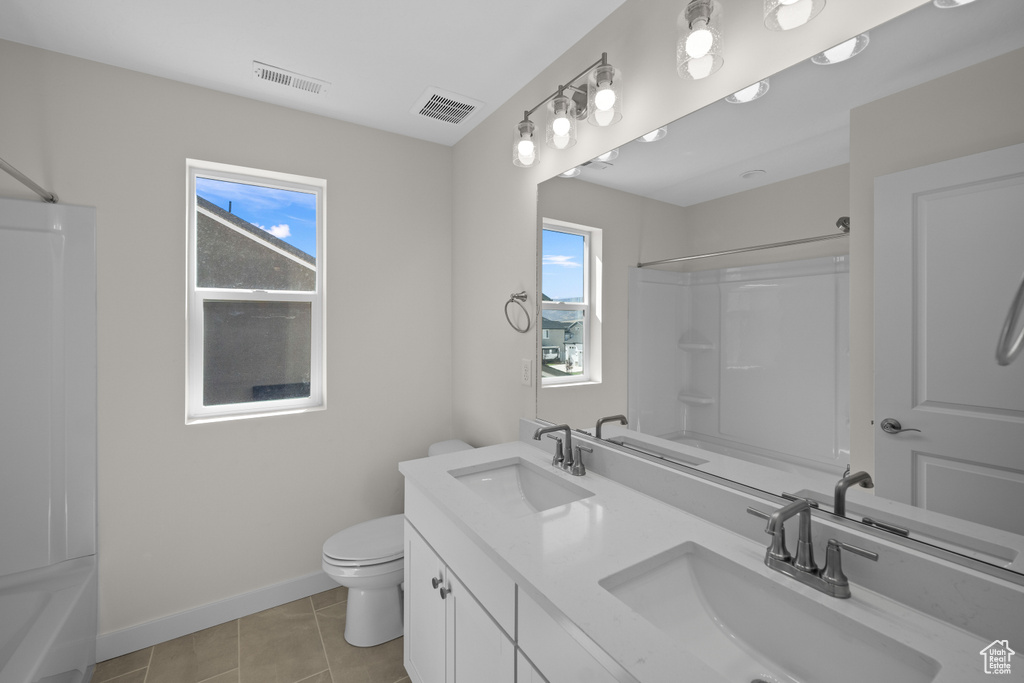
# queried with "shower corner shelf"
point(695, 399)
point(695, 346)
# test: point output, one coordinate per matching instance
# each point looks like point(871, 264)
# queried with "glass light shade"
point(946, 4)
point(561, 128)
point(654, 135)
point(699, 51)
point(783, 15)
point(843, 51)
point(604, 96)
point(571, 173)
point(610, 155)
point(749, 94)
point(525, 150)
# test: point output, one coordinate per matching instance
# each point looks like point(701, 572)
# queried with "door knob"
point(891, 426)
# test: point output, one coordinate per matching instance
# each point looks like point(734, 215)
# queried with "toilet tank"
point(450, 446)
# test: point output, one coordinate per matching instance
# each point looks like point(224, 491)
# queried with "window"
point(255, 292)
point(570, 314)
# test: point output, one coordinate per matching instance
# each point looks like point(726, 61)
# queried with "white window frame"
point(195, 411)
point(591, 306)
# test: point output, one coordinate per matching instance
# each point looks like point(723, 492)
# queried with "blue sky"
point(562, 266)
point(286, 214)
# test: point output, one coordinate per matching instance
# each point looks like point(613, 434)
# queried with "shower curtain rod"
point(49, 197)
point(843, 224)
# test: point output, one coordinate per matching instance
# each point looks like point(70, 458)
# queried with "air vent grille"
point(445, 106)
point(265, 72)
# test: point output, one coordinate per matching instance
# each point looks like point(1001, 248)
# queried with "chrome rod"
point(27, 182)
point(742, 250)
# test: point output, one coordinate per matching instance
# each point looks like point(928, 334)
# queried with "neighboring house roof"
point(558, 324)
point(256, 231)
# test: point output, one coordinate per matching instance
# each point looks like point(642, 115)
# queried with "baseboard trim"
point(117, 643)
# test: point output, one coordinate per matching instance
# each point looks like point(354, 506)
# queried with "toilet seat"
point(375, 542)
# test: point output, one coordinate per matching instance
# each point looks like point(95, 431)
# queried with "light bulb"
point(560, 141)
point(788, 2)
point(561, 126)
point(700, 68)
point(526, 150)
point(604, 99)
point(604, 117)
point(699, 42)
point(841, 52)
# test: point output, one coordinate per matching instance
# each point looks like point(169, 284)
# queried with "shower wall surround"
point(754, 357)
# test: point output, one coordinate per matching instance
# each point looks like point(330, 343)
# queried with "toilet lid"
point(376, 541)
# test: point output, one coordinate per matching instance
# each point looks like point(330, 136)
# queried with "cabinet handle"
point(444, 592)
point(435, 582)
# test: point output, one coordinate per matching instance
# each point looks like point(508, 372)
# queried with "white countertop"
point(560, 555)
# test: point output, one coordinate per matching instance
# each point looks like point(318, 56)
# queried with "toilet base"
point(373, 615)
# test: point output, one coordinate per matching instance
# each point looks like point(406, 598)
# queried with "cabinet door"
point(424, 611)
point(480, 651)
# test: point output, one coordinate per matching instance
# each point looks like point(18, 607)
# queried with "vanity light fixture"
point(654, 135)
point(783, 15)
point(749, 94)
point(561, 128)
point(604, 96)
point(946, 4)
point(843, 51)
point(699, 50)
point(599, 100)
point(524, 143)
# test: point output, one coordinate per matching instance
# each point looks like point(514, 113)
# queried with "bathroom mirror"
point(776, 169)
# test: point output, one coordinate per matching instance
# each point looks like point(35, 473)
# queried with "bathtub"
point(48, 623)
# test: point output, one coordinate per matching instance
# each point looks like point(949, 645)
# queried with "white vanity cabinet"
point(449, 636)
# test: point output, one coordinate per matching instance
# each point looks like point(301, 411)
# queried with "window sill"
point(559, 385)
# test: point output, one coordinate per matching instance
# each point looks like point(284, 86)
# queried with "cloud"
point(279, 231)
point(563, 261)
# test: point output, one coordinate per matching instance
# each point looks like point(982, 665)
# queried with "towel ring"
point(519, 299)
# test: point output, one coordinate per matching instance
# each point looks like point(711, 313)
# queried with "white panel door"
point(949, 253)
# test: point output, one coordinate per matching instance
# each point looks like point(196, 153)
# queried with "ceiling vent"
point(290, 79)
point(441, 105)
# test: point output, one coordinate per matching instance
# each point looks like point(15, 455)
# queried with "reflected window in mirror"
point(568, 291)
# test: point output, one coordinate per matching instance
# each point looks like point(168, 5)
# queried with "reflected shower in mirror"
point(747, 362)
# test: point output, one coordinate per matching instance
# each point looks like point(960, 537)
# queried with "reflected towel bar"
point(843, 224)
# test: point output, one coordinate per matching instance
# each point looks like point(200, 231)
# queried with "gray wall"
point(190, 515)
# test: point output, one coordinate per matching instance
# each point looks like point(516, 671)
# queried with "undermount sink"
point(518, 487)
point(749, 628)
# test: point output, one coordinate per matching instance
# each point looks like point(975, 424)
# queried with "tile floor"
point(300, 641)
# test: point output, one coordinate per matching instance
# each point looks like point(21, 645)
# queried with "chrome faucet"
point(848, 480)
point(563, 451)
point(612, 418)
point(830, 579)
point(804, 550)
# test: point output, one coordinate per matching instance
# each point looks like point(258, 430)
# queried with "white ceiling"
point(378, 55)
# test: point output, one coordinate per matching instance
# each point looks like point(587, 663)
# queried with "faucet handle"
point(778, 549)
point(556, 461)
point(832, 573)
point(578, 470)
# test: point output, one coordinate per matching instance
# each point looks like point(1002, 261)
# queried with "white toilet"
point(368, 558)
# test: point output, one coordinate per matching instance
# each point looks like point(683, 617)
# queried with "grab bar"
point(1006, 351)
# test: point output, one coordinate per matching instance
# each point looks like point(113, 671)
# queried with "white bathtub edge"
point(117, 643)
